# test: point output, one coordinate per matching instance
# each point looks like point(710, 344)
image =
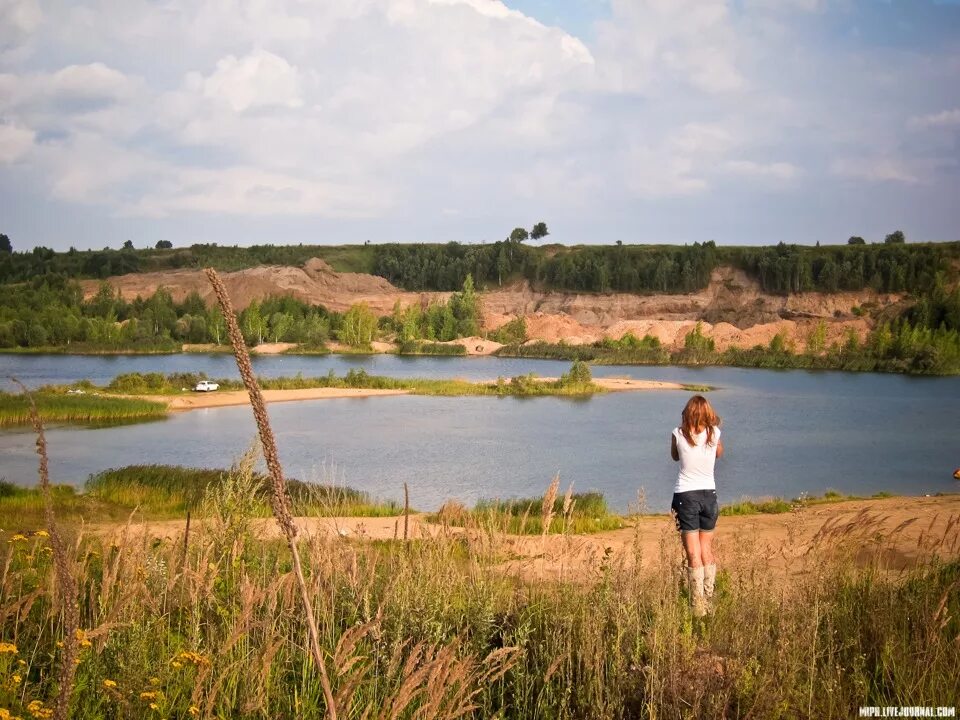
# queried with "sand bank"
point(195, 401)
point(224, 398)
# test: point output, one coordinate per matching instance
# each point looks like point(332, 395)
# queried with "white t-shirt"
point(696, 462)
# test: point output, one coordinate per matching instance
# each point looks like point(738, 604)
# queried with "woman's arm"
point(674, 452)
point(719, 448)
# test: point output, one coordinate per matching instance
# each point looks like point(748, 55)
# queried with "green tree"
point(359, 325)
point(252, 324)
point(280, 326)
point(778, 344)
point(817, 339)
point(697, 345)
point(539, 231)
point(503, 266)
point(128, 244)
point(518, 235)
point(36, 335)
point(5, 245)
point(895, 238)
point(217, 326)
point(164, 245)
point(512, 333)
point(856, 240)
point(465, 307)
point(579, 374)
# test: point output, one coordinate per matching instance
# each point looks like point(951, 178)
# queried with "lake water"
point(786, 432)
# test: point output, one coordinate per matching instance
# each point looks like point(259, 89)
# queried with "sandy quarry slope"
point(733, 308)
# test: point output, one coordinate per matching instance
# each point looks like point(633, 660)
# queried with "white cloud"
point(260, 79)
point(72, 89)
point(95, 80)
point(944, 119)
point(681, 163)
point(775, 170)
point(18, 19)
point(786, 5)
point(15, 143)
point(650, 44)
point(387, 109)
point(875, 169)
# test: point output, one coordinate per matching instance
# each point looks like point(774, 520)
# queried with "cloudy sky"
point(331, 121)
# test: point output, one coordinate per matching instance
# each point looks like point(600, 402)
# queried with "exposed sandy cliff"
point(732, 307)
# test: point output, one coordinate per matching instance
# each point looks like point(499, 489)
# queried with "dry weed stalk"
point(279, 500)
point(406, 513)
point(549, 500)
point(568, 504)
point(67, 596)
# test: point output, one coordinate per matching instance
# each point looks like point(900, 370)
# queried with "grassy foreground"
point(209, 625)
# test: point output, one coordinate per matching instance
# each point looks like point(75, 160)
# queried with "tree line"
point(784, 269)
point(891, 266)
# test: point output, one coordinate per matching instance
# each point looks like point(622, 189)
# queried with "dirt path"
point(895, 532)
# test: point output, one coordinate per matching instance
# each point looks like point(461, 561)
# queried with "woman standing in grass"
point(696, 445)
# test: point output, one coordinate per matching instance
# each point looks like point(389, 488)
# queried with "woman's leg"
point(691, 545)
point(709, 564)
point(705, 541)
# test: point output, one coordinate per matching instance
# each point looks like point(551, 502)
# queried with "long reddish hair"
point(698, 416)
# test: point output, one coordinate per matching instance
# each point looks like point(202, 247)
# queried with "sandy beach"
point(196, 401)
point(225, 398)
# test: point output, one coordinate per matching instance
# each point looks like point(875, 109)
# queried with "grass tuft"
point(88, 408)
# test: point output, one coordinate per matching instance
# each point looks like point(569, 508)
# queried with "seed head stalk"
point(67, 596)
point(279, 500)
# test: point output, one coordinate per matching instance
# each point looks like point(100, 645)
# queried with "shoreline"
point(232, 398)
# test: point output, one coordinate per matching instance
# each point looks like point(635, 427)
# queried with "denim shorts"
point(695, 510)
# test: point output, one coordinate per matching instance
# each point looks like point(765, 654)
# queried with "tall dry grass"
point(441, 626)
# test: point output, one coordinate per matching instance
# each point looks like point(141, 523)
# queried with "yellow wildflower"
point(82, 640)
point(194, 658)
point(154, 681)
point(154, 706)
point(151, 695)
point(194, 711)
point(22, 663)
point(6, 715)
point(6, 648)
point(16, 678)
point(19, 537)
point(41, 534)
point(39, 711)
point(109, 684)
point(176, 664)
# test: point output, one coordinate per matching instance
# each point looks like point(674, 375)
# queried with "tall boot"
point(698, 603)
point(709, 582)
